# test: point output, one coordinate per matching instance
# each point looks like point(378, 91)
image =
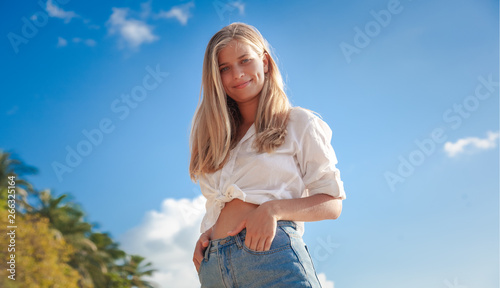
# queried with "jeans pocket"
point(280, 242)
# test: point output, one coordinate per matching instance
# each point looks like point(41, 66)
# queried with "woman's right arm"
point(201, 245)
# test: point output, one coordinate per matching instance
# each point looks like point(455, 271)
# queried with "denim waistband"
point(213, 245)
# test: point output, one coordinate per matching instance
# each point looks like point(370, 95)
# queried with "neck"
point(248, 110)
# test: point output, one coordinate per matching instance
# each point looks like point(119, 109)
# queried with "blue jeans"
point(229, 263)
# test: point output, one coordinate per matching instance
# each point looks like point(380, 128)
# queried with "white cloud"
point(93, 26)
point(145, 9)
point(132, 31)
point(471, 143)
point(180, 12)
point(61, 42)
point(90, 25)
point(57, 12)
point(167, 239)
point(90, 42)
point(324, 282)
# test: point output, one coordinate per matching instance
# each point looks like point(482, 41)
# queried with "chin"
point(244, 98)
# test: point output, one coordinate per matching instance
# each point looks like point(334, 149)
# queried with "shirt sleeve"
point(317, 160)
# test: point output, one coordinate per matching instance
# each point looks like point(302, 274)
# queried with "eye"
point(245, 60)
point(223, 69)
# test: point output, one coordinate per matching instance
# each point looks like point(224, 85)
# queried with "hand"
point(201, 245)
point(261, 226)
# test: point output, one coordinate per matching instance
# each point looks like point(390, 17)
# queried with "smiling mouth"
point(243, 85)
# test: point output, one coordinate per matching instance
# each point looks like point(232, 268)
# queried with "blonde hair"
point(217, 117)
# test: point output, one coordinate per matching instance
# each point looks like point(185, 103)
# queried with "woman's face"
point(242, 71)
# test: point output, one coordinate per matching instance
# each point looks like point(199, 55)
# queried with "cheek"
point(258, 70)
point(225, 80)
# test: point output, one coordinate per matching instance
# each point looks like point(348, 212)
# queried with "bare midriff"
point(235, 210)
point(230, 216)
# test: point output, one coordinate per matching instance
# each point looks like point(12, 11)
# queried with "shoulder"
point(301, 114)
point(302, 117)
point(304, 121)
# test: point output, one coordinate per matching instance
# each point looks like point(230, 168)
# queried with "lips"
point(242, 85)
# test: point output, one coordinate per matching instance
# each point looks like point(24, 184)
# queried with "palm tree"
point(136, 270)
point(10, 166)
point(107, 253)
point(67, 221)
point(95, 255)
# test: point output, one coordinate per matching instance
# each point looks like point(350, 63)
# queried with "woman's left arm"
point(309, 209)
point(261, 223)
point(316, 160)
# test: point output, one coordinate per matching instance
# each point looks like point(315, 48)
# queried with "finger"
point(237, 229)
point(268, 243)
point(204, 239)
point(197, 259)
point(259, 246)
point(199, 251)
point(196, 263)
point(197, 266)
point(203, 244)
point(254, 244)
point(248, 242)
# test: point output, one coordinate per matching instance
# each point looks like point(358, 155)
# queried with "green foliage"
point(56, 246)
point(40, 257)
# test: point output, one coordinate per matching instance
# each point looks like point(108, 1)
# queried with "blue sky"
point(409, 88)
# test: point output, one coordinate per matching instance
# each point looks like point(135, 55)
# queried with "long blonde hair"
point(217, 117)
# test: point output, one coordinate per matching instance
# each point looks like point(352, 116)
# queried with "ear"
point(266, 62)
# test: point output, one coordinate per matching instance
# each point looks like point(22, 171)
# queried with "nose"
point(237, 72)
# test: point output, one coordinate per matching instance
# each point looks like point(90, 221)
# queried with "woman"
point(264, 166)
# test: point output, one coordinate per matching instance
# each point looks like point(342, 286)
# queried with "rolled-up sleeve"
point(317, 160)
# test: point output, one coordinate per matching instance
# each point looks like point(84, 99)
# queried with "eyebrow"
point(246, 54)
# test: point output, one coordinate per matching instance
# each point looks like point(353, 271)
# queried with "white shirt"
point(302, 166)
